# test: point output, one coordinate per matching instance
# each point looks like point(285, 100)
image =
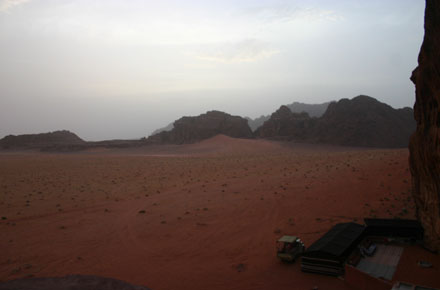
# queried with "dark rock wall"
point(361, 121)
point(364, 121)
point(425, 142)
point(193, 129)
point(29, 141)
point(284, 124)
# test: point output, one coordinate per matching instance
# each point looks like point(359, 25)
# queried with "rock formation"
point(364, 121)
point(314, 110)
point(168, 127)
point(284, 124)
point(193, 129)
point(425, 142)
point(38, 141)
point(256, 123)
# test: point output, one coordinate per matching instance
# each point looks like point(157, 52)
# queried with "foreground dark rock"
point(70, 282)
point(425, 142)
point(210, 124)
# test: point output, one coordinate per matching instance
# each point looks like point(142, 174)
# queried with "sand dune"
point(197, 216)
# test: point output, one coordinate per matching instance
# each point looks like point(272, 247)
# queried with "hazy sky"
point(120, 69)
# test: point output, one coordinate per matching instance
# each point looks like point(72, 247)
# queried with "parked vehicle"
point(289, 248)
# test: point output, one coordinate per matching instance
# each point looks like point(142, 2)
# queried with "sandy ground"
point(201, 216)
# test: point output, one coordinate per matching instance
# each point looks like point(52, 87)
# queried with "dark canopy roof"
point(395, 223)
point(394, 227)
point(337, 241)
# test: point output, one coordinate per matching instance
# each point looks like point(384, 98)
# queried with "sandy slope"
point(200, 216)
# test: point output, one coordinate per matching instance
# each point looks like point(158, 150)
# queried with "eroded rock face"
point(36, 141)
point(284, 124)
point(193, 129)
point(361, 121)
point(314, 110)
point(425, 142)
point(364, 121)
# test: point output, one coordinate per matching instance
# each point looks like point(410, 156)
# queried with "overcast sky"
point(121, 69)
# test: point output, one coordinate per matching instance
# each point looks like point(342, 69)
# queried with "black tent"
point(394, 228)
point(328, 254)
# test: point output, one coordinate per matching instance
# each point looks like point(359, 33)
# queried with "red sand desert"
point(200, 216)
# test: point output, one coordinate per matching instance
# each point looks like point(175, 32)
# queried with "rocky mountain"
point(193, 129)
point(254, 124)
point(38, 141)
point(364, 121)
point(361, 121)
point(168, 127)
point(424, 145)
point(313, 110)
point(284, 124)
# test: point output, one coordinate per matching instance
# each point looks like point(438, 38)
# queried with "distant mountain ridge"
point(361, 121)
point(59, 141)
point(168, 127)
point(314, 110)
point(30, 141)
point(364, 121)
point(193, 129)
point(285, 124)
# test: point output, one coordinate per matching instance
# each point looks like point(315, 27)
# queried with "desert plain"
point(197, 216)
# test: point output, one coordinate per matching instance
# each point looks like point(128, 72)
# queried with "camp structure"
point(328, 254)
point(410, 229)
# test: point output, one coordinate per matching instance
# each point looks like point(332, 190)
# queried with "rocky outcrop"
point(38, 141)
point(364, 121)
point(256, 123)
point(193, 129)
point(284, 124)
point(69, 282)
point(168, 127)
point(314, 110)
point(425, 142)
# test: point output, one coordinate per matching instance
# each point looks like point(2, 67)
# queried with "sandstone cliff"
point(284, 124)
point(425, 142)
point(193, 129)
point(38, 141)
point(364, 121)
point(314, 110)
point(168, 127)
